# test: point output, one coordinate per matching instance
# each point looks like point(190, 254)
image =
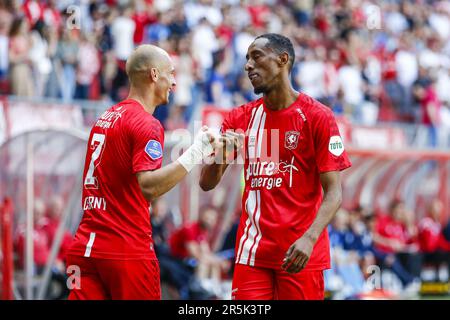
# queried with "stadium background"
point(382, 66)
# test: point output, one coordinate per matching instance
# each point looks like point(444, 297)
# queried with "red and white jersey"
point(116, 221)
point(285, 152)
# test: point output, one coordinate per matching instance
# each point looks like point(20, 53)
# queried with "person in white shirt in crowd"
point(67, 56)
point(407, 70)
point(311, 74)
point(88, 66)
point(197, 10)
point(122, 31)
point(204, 44)
point(352, 86)
point(39, 56)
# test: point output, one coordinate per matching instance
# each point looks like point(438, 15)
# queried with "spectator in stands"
point(351, 83)
point(433, 244)
point(227, 249)
point(143, 15)
point(311, 75)
point(50, 228)
point(67, 57)
point(88, 66)
point(109, 61)
point(346, 275)
point(122, 31)
point(159, 30)
point(191, 244)
point(407, 71)
point(19, 69)
point(204, 44)
point(366, 74)
point(41, 248)
point(188, 73)
point(39, 56)
point(431, 109)
point(218, 93)
point(53, 220)
point(390, 238)
point(173, 272)
point(410, 257)
point(391, 230)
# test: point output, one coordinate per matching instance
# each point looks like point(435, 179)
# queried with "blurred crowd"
point(365, 244)
point(387, 254)
point(369, 60)
point(190, 267)
point(46, 221)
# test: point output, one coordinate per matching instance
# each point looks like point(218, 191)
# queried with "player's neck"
point(280, 97)
point(144, 97)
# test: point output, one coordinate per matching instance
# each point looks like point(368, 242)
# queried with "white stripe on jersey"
point(248, 244)
point(251, 118)
point(260, 135)
point(89, 245)
point(259, 234)
point(252, 235)
point(243, 238)
point(254, 132)
point(252, 126)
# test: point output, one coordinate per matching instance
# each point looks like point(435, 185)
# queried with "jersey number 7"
point(97, 143)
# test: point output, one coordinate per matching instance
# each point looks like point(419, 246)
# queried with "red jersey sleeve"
point(329, 147)
point(236, 119)
point(229, 122)
point(147, 139)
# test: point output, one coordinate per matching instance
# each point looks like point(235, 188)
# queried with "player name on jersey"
point(94, 203)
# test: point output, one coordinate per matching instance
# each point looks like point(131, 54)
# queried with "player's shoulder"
point(135, 115)
point(247, 108)
point(313, 109)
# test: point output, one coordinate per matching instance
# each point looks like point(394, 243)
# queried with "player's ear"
point(154, 74)
point(283, 59)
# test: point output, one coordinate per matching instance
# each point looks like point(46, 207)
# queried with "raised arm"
point(157, 182)
point(212, 173)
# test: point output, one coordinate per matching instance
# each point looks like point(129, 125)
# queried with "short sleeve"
point(147, 139)
point(329, 148)
point(236, 119)
point(228, 122)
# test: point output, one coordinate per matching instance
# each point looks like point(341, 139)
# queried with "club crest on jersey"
point(154, 149)
point(291, 139)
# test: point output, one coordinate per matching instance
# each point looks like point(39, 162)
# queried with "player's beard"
point(259, 90)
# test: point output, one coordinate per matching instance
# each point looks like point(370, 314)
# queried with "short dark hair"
point(280, 44)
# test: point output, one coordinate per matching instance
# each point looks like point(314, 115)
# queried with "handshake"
point(207, 147)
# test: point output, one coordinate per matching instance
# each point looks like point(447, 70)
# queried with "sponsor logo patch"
point(336, 146)
point(154, 149)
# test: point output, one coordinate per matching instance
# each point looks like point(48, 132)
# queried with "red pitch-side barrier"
point(6, 216)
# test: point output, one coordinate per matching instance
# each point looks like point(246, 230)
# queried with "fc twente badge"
point(291, 139)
